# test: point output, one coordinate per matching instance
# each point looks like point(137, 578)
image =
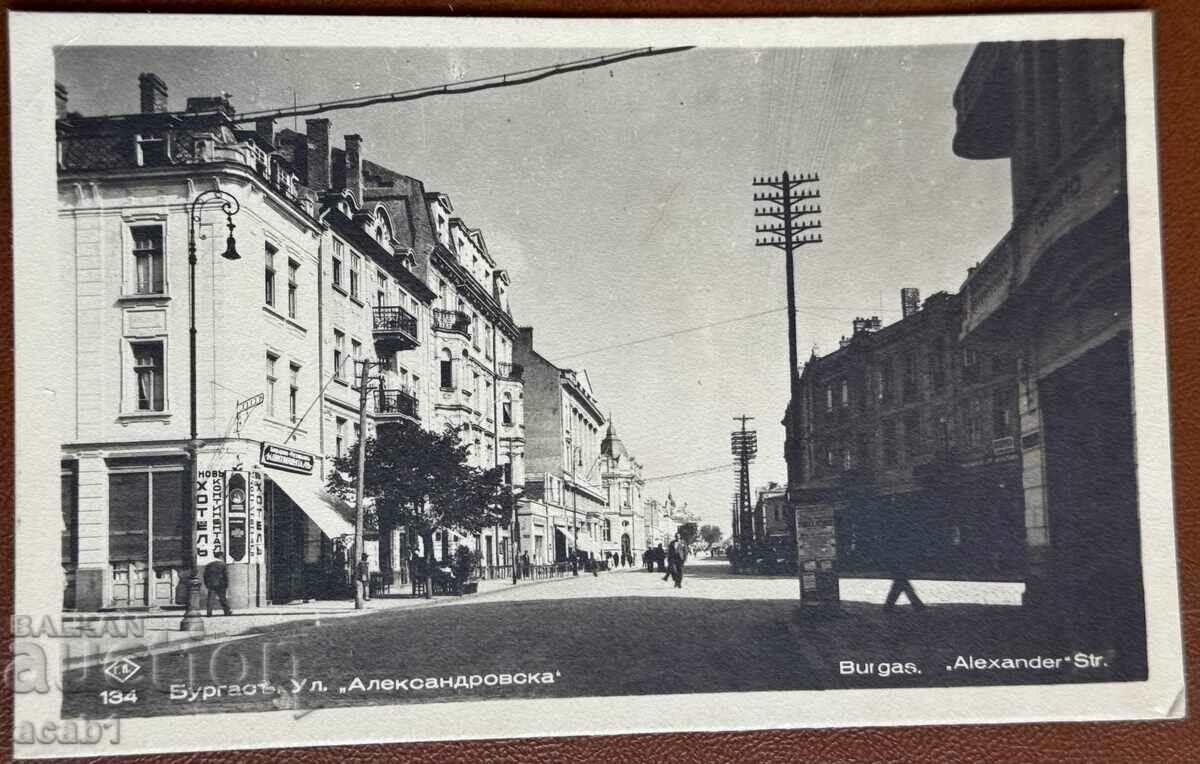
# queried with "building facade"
point(624, 525)
point(908, 434)
point(335, 275)
point(1059, 282)
point(563, 422)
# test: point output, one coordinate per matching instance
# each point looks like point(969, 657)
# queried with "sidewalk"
point(159, 630)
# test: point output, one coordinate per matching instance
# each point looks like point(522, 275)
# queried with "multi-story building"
point(475, 386)
point(1059, 284)
point(909, 435)
point(624, 528)
point(563, 421)
point(329, 275)
point(771, 514)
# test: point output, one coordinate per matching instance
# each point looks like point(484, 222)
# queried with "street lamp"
point(572, 453)
point(229, 205)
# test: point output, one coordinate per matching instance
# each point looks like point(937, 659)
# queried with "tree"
point(711, 535)
point(420, 480)
point(688, 533)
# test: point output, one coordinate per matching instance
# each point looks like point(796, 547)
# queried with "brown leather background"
point(1178, 82)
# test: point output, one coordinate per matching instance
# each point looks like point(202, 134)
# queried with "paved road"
point(621, 633)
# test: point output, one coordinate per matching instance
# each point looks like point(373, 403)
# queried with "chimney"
point(860, 324)
point(264, 131)
point(318, 154)
point(60, 100)
point(910, 301)
point(154, 93)
point(875, 324)
point(354, 177)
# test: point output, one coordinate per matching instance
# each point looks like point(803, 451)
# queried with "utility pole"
point(744, 445)
point(785, 203)
point(364, 367)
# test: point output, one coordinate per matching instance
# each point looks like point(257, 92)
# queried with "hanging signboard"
point(284, 458)
point(816, 551)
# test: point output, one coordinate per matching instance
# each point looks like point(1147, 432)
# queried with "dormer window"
point(151, 150)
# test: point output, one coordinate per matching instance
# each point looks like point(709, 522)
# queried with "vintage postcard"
point(415, 379)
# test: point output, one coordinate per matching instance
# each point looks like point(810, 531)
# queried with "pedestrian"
point(525, 565)
point(671, 558)
point(899, 556)
point(646, 559)
point(362, 577)
point(681, 555)
point(660, 558)
point(216, 580)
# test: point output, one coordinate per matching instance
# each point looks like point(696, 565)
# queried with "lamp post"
point(230, 206)
point(571, 452)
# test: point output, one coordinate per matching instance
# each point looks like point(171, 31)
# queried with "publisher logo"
point(121, 671)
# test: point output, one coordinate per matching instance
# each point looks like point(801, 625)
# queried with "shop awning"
point(332, 515)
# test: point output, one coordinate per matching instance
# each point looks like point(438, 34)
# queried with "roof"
point(360, 240)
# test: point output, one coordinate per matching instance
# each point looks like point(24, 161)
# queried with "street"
point(619, 633)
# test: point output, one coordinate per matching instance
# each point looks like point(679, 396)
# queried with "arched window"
point(506, 410)
point(447, 369)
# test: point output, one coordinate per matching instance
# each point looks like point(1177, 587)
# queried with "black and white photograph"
point(436, 374)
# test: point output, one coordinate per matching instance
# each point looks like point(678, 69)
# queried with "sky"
point(620, 201)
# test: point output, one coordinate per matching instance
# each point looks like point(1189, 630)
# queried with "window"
point(864, 454)
point(355, 271)
point(847, 459)
point(339, 257)
point(910, 377)
point(913, 441)
point(339, 442)
point(293, 267)
point(937, 367)
point(506, 410)
point(294, 393)
point(269, 284)
point(889, 443)
point(828, 398)
point(356, 354)
point(886, 380)
point(149, 381)
point(446, 367)
point(970, 365)
point(974, 423)
point(381, 289)
point(845, 394)
point(148, 259)
point(146, 525)
point(271, 380)
point(829, 458)
point(339, 354)
point(357, 433)
point(475, 330)
point(1002, 415)
point(487, 344)
point(442, 302)
point(607, 529)
point(152, 150)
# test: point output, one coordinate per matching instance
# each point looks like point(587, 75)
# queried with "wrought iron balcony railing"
point(452, 321)
point(394, 327)
point(397, 402)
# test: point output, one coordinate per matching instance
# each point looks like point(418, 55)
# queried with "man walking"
point(362, 577)
point(670, 555)
point(679, 556)
point(899, 557)
point(216, 580)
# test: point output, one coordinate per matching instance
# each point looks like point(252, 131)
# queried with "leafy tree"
point(711, 535)
point(420, 480)
point(688, 533)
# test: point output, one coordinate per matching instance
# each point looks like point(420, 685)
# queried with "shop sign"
point(284, 458)
point(229, 516)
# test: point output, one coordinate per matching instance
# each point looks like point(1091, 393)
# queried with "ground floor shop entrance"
point(307, 544)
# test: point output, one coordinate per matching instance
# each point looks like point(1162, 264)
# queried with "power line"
point(509, 79)
point(711, 324)
point(701, 471)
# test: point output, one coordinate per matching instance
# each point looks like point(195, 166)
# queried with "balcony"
point(398, 403)
point(511, 372)
point(452, 321)
point(394, 328)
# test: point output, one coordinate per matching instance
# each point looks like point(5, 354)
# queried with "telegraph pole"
point(785, 203)
point(744, 445)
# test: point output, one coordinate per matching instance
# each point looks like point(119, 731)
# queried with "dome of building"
point(612, 446)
